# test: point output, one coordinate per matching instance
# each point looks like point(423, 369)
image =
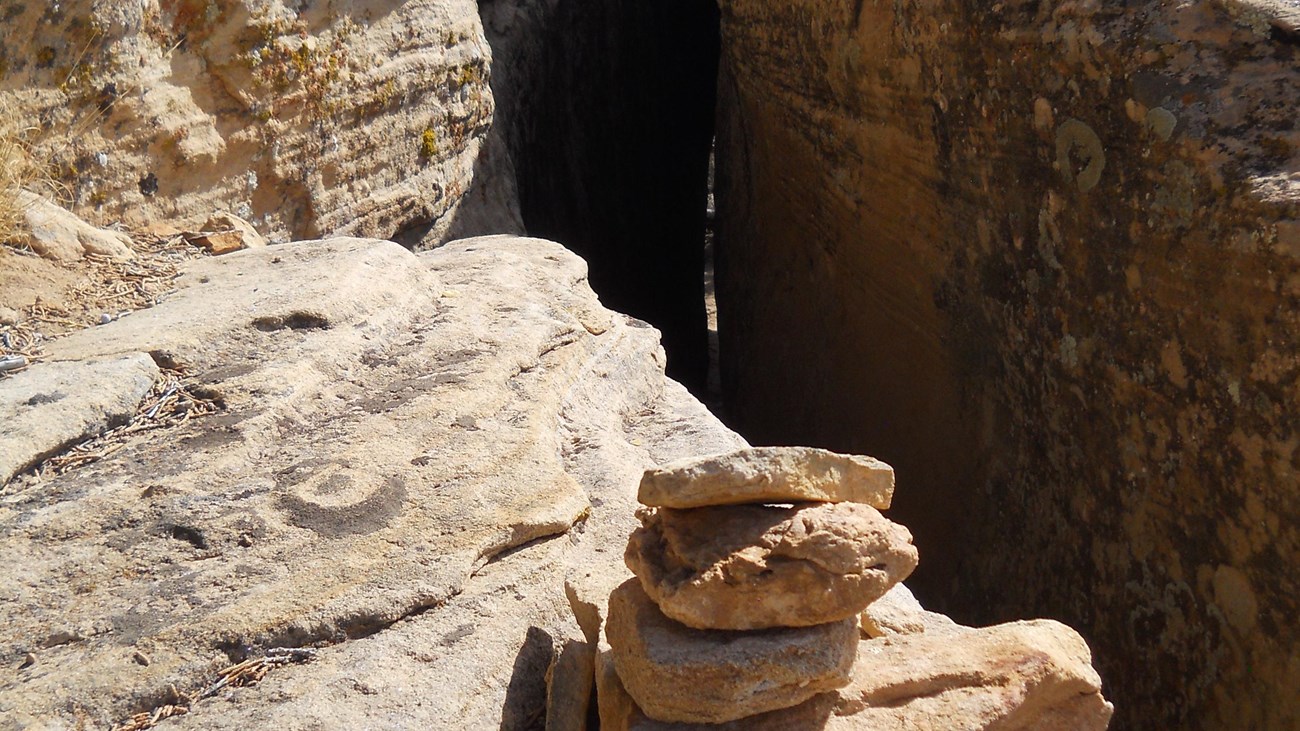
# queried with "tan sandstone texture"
point(51, 406)
point(899, 613)
point(54, 233)
point(676, 673)
point(368, 118)
point(619, 712)
point(771, 475)
point(402, 444)
point(1021, 676)
point(1025, 676)
point(743, 567)
point(1044, 259)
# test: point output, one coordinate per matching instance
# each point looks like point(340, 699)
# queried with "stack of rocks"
point(752, 570)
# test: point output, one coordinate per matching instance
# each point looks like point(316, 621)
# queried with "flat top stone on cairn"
point(769, 475)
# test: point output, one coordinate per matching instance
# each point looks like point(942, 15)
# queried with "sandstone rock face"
point(570, 686)
point(1061, 240)
point(899, 613)
point(1025, 675)
point(393, 426)
point(769, 475)
point(758, 567)
point(363, 118)
point(1021, 676)
point(675, 673)
point(56, 234)
point(53, 405)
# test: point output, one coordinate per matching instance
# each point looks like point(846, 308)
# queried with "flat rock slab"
point(57, 404)
point(1026, 676)
point(480, 659)
point(676, 673)
point(744, 567)
point(769, 475)
point(393, 422)
point(1020, 676)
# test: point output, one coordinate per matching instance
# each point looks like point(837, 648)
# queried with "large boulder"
point(402, 439)
point(1023, 675)
point(1044, 259)
point(54, 233)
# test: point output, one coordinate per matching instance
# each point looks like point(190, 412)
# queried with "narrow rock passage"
point(607, 108)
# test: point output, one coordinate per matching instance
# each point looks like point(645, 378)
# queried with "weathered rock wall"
point(1043, 258)
point(607, 108)
point(358, 117)
point(378, 118)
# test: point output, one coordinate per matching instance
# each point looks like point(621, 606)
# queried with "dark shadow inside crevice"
point(607, 108)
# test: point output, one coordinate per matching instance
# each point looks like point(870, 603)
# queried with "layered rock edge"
point(406, 445)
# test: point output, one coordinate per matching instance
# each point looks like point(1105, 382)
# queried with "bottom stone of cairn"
point(676, 673)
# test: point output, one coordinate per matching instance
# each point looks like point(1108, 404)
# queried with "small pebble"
point(105, 318)
point(28, 661)
point(141, 658)
point(12, 363)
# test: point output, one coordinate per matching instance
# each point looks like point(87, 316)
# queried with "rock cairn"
point(752, 569)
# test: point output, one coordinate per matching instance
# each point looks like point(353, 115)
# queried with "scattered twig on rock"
point(110, 288)
point(248, 672)
point(253, 670)
point(115, 286)
point(142, 721)
point(20, 345)
point(170, 402)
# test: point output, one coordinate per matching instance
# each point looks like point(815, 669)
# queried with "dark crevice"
point(1282, 34)
point(607, 110)
point(413, 234)
point(292, 321)
point(192, 536)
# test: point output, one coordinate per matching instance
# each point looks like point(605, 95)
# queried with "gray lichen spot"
point(1070, 351)
point(1074, 139)
point(1162, 122)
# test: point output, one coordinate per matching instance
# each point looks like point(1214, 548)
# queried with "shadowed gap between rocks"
point(607, 110)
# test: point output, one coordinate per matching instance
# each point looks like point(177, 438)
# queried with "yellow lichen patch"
point(428, 143)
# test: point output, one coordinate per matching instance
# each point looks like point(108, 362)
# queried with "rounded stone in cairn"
point(745, 567)
point(675, 673)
